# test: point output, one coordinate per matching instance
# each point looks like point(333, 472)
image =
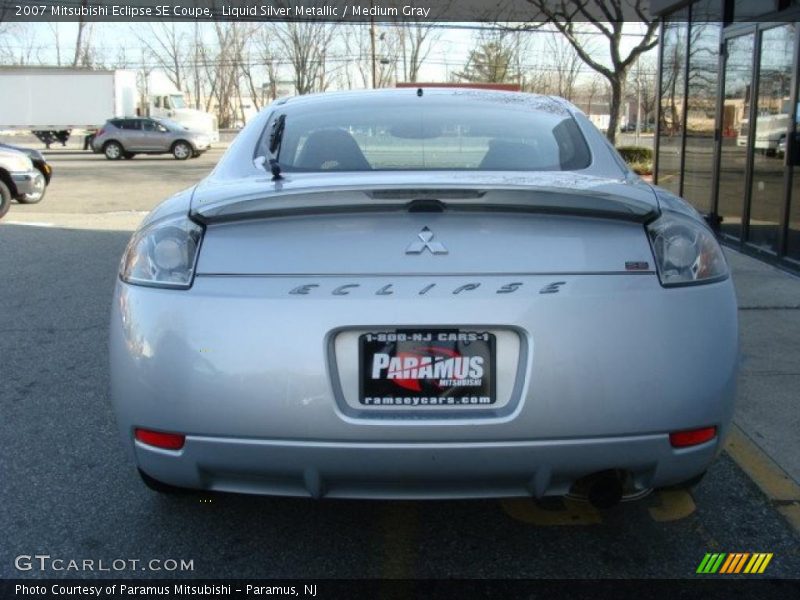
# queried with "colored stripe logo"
point(735, 562)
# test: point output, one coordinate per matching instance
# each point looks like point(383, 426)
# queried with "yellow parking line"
point(767, 475)
point(673, 505)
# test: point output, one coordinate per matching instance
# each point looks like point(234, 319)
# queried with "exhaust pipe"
point(604, 489)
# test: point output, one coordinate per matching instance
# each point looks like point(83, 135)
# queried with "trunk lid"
point(410, 227)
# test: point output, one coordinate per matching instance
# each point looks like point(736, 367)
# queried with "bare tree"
point(537, 79)
point(143, 84)
point(565, 66)
point(356, 74)
point(169, 46)
point(304, 45)
point(82, 53)
point(671, 120)
point(592, 90)
point(642, 87)
point(268, 57)
point(415, 41)
point(223, 71)
point(575, 18)
point(86, 53)
point(18, 44)
point(54, 29)
point(198, 77)
point(356, 46)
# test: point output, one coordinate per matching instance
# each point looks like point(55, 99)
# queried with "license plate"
point(410, 368)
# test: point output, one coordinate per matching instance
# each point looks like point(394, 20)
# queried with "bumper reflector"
point(159, 439)
point(693, 437)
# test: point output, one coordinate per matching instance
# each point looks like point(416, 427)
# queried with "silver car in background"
point(125, 138)
point(423, 294)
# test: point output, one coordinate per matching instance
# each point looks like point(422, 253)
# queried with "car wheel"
point(5, 199)
point(160, 486)
point(113, 151)
point(181, 150)
point(39, 188)
point(128, 155)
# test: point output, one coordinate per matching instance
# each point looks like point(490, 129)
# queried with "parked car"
point(19, 179)
point(42, 166)
point(125, 138)
point(433, 293)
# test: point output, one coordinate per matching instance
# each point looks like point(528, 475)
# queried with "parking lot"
point(69, 490)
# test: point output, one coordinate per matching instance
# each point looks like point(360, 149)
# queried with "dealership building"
point(727, 118)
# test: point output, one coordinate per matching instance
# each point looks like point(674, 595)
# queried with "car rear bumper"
point(251, 374)
point(418, 471)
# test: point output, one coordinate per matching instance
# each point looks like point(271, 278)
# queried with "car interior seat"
point(332, 150)
point(504, 155)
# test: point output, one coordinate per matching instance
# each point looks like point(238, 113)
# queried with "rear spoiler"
point(590, 203)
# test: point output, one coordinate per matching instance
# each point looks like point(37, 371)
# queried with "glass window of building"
point(701, 103)
point(735, 130)
point(773, 114)
point(673, 94)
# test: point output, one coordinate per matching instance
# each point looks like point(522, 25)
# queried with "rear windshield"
point(469, 136)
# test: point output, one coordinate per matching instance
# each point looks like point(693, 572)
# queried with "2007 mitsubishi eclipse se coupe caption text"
point(428, 293)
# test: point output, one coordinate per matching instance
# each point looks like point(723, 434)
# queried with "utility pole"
point(372, 44)
point(638, 101)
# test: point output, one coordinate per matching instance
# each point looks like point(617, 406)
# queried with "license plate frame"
point(455, 368)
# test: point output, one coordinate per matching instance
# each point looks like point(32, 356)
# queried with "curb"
point(782, 491)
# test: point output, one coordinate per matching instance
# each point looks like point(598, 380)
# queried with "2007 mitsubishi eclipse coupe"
point(428, 293)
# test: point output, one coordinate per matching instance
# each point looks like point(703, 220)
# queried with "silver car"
point(125, 138)
point(423, 294)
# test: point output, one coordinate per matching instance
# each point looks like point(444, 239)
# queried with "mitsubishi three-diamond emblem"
point(426, 241)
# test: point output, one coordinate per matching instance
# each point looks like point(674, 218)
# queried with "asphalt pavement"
point(68, 489)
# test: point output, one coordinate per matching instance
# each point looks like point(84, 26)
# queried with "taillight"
point(163, 254)
point(160, 439)
point(692, 437)
point(99, 133)
point(685, 250)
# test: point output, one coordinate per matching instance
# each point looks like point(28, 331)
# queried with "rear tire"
point(113, 151)
point(5, 199)
point(161, 487)
point(182, 150)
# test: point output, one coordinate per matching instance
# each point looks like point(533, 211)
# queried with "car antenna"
point(275, 139)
